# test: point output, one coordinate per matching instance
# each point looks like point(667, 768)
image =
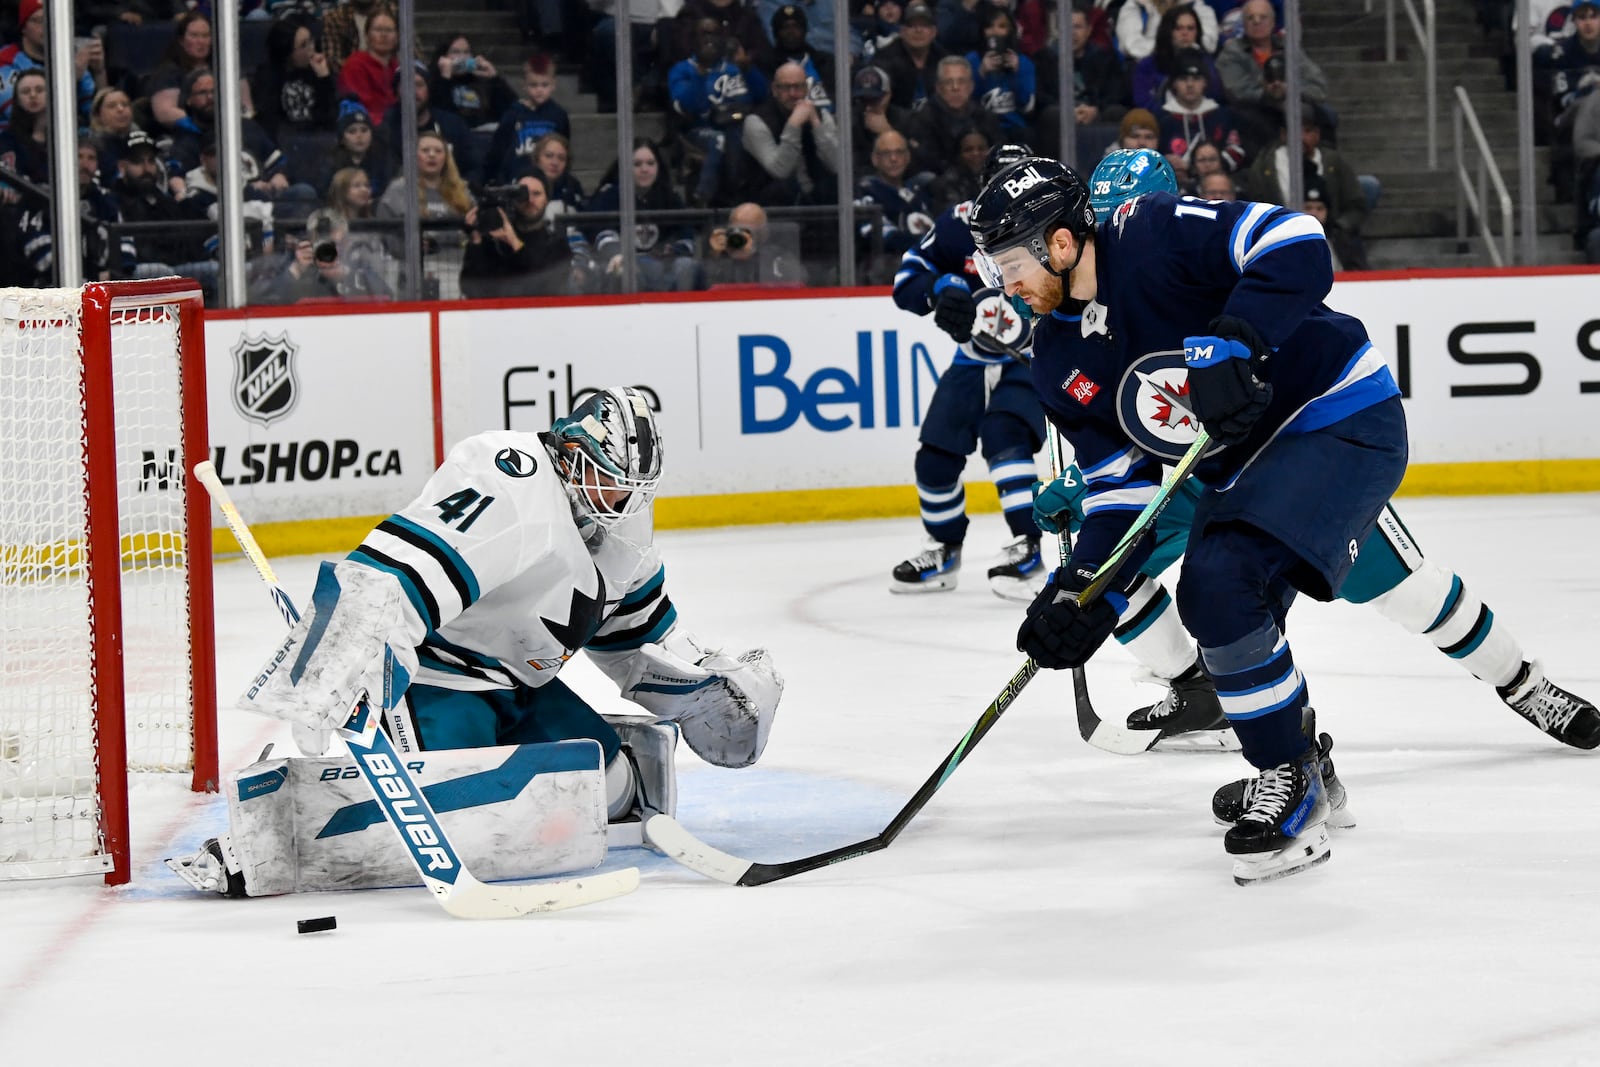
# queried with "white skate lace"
point(1550, 708)
point(1017, 552)
point(933, 557)
point(1169, 706)
point(1271, 794)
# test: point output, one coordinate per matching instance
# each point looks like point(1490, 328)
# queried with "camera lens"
point(325, 252)
point(737, 238)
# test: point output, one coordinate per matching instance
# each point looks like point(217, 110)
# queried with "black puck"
point(316, 926)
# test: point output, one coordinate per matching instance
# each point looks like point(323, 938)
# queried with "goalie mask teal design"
point(609, 451)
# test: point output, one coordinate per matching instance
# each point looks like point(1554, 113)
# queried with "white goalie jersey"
point(501, 587)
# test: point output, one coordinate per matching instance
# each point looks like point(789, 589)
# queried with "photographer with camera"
point(317, 269)
point(512, 249)
point(750, 251)
point(710, 97)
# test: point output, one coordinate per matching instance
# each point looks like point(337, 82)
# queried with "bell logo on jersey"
point(1023, 182)
point(1080, 388)
point(515, 463)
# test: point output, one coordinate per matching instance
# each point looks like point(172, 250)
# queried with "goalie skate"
point(1230, 802)
point(1020, 574)
point(1284, 829)
point(1190, 717)
point(207, 870)
point(932, 570)
point(1564, 716)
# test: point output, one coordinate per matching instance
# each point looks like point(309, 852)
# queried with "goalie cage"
point(106, 657)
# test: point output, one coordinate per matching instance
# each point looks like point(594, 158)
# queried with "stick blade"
point(472, 899)
point(680, 846)
point(1107, 736)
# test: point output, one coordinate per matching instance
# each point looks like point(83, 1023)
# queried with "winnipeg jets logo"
point(1153, 404)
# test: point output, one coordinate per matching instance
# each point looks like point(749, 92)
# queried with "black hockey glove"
point(1057, 633)
point(954, 308)
point(1227, 396)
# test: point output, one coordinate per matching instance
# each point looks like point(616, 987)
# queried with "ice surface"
point(1053, 904)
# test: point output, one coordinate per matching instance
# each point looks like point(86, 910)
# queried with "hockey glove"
point(954, 308)
point(1057, 633)
point(1227, 396)
point(1058, 503)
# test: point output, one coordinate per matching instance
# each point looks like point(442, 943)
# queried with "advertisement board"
point(321, 416)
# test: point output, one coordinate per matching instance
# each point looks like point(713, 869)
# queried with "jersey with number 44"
point(502, 586)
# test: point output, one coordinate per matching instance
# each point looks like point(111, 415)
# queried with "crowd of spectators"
point(747, 88)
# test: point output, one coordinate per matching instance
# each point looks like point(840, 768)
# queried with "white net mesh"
point(50, 808)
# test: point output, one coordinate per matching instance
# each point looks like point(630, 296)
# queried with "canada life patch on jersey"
point(1079, 387)
point(1153, 405)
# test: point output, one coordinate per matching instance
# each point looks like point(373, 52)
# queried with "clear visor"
point(1004, 268)
point(610, 498)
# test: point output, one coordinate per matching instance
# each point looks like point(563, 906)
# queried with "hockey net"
point(106, 663)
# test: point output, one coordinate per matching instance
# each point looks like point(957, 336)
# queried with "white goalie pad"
point(352, 639)
point(652, 749)
point(519, 811)
point(723, 702)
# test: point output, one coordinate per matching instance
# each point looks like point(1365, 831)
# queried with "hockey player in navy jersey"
point(1391, 573)
point(460, 611)
point(1219, 306)
point(983, 399)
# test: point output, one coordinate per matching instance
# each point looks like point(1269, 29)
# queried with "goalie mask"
point(609, 452)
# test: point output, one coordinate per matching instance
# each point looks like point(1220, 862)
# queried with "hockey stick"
point(668, 835)
point(405, 805)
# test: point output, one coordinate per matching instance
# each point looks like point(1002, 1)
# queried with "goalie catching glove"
point(723, 702)
point(350, 641)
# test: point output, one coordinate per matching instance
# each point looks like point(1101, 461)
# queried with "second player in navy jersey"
point(1210, 313)
point(983, 399)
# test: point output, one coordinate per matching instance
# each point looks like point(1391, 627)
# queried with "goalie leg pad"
point(653, 748)
point(519, 811)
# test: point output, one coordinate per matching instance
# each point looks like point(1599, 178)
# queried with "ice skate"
point(1229, 803)
point(1564, 716)
point(207, 870)
point(1189, 717)
point(1021, 573)
point(1284, 829)
point(933, 570)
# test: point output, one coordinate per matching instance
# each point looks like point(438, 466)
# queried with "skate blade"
point(1309, 850)
point(932, 585)
point(1012, 589)
point(1199, 741)
point(184, 868)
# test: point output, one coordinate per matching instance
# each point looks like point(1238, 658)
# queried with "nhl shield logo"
point(264, 388)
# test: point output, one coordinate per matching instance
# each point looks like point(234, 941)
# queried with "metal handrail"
point(1425, 27)
point(1468, 196)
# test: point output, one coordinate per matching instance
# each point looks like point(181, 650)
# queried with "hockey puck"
point(316, 926)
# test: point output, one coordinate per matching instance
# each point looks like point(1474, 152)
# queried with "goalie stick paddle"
point(402, 801)
point(668, 835)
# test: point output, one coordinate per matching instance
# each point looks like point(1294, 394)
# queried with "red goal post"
point(107, 664)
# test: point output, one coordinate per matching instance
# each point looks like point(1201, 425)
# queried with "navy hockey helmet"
point(1002, 156)
point(1020, 207)
point(608, 444)
point(1125, 174)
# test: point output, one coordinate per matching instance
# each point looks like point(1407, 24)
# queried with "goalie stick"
point(678, 844)
point(402, 801)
